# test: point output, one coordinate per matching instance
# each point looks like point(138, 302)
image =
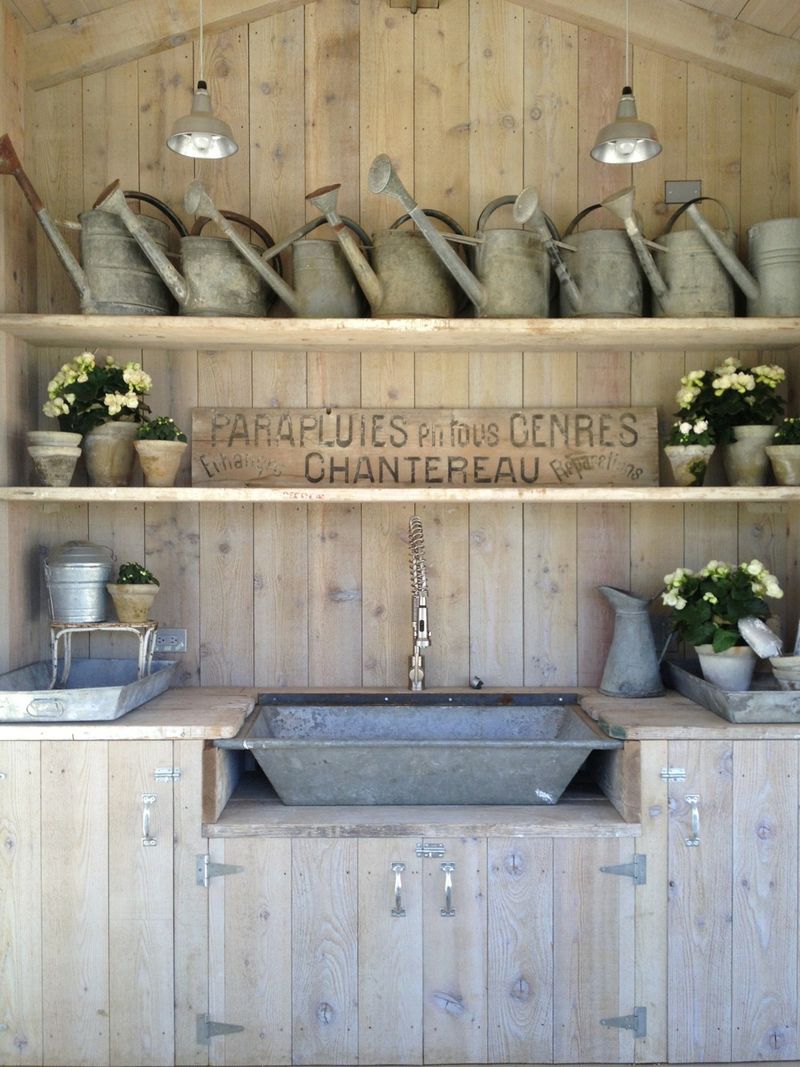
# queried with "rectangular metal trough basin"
point(419, 748)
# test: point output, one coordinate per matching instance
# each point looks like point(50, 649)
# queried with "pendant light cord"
point(627, 21)
point(202, 71)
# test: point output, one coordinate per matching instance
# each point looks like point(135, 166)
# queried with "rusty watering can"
point(116, 278)
point(405, 278)
point(688, 277)
point(605, 270)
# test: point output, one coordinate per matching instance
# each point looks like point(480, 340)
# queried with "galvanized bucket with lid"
point(76, 574)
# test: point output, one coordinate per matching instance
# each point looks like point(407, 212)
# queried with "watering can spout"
point(621, 204)
point(10, 164)
point(526, 209)
point(324, 200)
point(740, 274)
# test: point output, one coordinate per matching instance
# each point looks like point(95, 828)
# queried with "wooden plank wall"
point(472, 100)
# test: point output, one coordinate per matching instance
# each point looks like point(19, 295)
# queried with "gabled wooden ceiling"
point(757, 41)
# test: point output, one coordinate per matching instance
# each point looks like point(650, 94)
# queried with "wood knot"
point(513, 864)
point(521, 990)
point(325, 1013)
point(449, 1003)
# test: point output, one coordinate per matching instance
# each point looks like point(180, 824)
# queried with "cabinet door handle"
point(398, 911)
point(693, 841)
point(448, 911)
point(148, 800)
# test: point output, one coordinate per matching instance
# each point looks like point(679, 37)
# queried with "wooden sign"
point(424, 446)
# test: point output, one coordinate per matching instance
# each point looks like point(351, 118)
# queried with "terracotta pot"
point(689, 462)
point(160, 460)
point(745, 459)
point(785, 460)
point(731, 670)
point(108, 451)
point(55, 438)
point(132, 603)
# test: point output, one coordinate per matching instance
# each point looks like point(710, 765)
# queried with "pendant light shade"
point(201, 134)
point(627, 139)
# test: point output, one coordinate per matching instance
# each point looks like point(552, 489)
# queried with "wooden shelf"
point(723, 494)
point(548, 335)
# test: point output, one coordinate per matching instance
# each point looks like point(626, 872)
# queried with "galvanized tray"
point(97, 690)
point(763, 703)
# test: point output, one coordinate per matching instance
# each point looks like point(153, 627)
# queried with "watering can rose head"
point(86, 393)
point(708, 604)
point(731, 395)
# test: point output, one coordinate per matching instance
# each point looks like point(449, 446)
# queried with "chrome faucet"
point(419, 604)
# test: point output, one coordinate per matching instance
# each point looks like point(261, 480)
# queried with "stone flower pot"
point(108, 452)
point(132, 603)
point(731, 670)
point(745, 458)
point(785, 460)
point(159, 460)
point(689, 462)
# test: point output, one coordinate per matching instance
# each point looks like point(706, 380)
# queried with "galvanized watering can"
point(605, 271)
point(688, 276)
point(631, 668)
point(116, 278)
point(405, 278)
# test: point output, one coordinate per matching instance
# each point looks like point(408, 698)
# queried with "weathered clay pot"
point(60, 438)
point(731, 670)
point(745, 459)
point(108, 451)
point(785, 460)
point(160, 460)
point(689, 462)
point(132, 603)
point(54, 464)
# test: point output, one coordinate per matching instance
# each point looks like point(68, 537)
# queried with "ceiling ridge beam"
point(130, 31)
point(681, 30)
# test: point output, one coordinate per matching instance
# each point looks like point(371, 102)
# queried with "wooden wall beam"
point(130, 31)
point(681, 30)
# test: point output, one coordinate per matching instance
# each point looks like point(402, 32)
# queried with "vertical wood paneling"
point(455, 997)
point(764, 932)
point(324, 953)
point(700, 905)
point(601, 78)
point(75, 905)
point(390, 953)
point(21, 902)
point(520, 950)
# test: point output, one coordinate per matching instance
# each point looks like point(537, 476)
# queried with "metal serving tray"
point(97, 690)
point(764, 703)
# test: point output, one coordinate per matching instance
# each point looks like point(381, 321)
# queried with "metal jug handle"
point(579, 218)
point(233, 216)
point(697, 200)
point(432, 213)
point(491, 207)
point(159, 205)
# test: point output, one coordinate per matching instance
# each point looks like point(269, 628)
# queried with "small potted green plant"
point(784, 452)
point(133, 592)
point(689, 448)
point(160, 445)
point(706, 608)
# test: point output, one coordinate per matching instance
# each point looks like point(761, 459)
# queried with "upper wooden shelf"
point(480, 335)
point(560, 494)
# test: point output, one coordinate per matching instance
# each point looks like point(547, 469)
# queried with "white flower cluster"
point(761, 581)
point(731, 375)
point(80, 370)
point(690, 388)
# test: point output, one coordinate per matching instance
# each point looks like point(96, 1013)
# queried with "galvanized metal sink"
point(419, 748)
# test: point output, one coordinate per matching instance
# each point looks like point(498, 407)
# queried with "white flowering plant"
point(788, 433)
point(692, 432)
point(731, 395)
point(87, 392)
point(707, 604)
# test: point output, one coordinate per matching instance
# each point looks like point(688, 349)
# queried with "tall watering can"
point(631, 668)
point(605, 270)
point(687, 276)
point(116, 277)
point(405, 277)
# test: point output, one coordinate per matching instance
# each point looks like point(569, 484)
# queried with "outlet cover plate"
point(170, 640)
point(680, 192)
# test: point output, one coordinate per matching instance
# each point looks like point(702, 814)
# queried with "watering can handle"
point(153, 201)
point(697, 200)
point(491, 207)
point(233, 216)
point(432, 213)
point(579, 218)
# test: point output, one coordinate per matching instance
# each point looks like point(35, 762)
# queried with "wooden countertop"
point(197, 713)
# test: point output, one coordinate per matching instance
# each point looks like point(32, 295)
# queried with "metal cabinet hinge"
point(673, 774)
point(637, 870)
point(167, 774)
point(206, 1029)
point(205, 870)
point(428, 850)
point(636, 1022)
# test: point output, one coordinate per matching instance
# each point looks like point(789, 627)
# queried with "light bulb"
point(625, 148)
point(201, 141)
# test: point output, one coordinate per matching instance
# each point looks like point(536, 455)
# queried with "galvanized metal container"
point(762, 703)
point(513, 267)
point(76, 574)
point(325, 285)
point(220, 280)
point(606, 271)
point(774, 258)
point(121, 279)
point(698, 285)
point(415, 281)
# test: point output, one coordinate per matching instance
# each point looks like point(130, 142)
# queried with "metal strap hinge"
point(167, 774)
point(428, 850)
point(205, 870)
point(636, 1022)
point(206, 1029)
point(636, 870)
point(673, 774)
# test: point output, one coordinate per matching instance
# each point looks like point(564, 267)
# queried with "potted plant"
point(133, 592)
point(690, 447)
point(160, 445)
point(103, 401)
point(784, 452)
point(741, 405)
point(706, 608)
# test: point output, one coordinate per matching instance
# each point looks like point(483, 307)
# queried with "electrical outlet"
point(170, 640)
